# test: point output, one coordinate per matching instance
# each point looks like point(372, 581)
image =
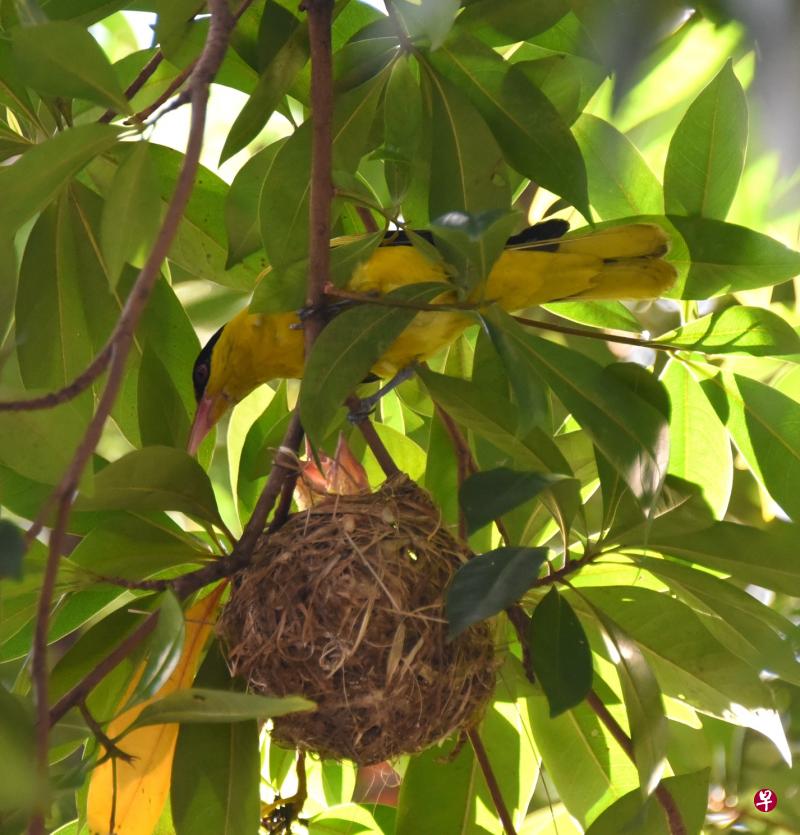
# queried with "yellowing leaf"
point(141, 787)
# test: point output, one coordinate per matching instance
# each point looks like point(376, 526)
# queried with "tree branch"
point(141, 79)
point(210, 59)
point(491, 781)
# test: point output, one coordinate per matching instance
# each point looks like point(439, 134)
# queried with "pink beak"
point(204, 420)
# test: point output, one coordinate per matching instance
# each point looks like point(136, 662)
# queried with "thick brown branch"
point(665, 799)
point(122, 338)
point(491, 781)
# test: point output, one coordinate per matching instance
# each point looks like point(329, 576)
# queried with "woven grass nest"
point(345, 605)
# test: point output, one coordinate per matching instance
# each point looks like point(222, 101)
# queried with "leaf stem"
point(491, 781)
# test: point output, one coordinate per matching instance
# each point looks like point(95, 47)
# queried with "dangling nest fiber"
point(344, 605)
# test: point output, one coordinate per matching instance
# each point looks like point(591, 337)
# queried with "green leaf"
point(402, 117)
point(611, 315)
point(241, 206)
point(700, 449)
point(725, 258)
point(203, 706)
point(467, 168)
point(690, 793)
point(427, 23)
point(620, 182)
point(290, 54)
point(31, 182)
point(489, 583)
point(500, 22)
point(62, 59)
point(472, 243)
point(132, 211)
point(174, 22)
point(50, 438)
point(587, 767)
point(164, 648)
point(738, 330)
point(706, 152)
point(12, 550)
point(283, 209)
point(748, 628)
point(529, 389)
point(643, 704)
point(534, 137)
point(625, 427)
point(163, 418)
point(689, 663)
point(346, 350)
point(763, 557)
point(560, 653)
point(488, 495)
point(221, 796)
point(154, 478)
point(765, 426)
point(19, 786)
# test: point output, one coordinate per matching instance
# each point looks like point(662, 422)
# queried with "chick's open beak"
point(209, 411)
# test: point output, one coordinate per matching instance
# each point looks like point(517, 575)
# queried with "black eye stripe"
point(202, 366)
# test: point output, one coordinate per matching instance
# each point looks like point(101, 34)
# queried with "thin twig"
point(491, 781)
point(100, 735)
point(663, 796)
point(213, 52)
point(141, 79)
point(596, 334)
point(373, 440)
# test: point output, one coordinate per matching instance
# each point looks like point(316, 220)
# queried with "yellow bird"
point(536, 267)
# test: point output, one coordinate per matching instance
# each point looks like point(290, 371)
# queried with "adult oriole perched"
point(536, 267)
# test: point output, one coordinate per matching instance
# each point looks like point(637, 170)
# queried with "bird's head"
point(218, 379)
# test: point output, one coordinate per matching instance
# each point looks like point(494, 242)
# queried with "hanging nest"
point(345, 605)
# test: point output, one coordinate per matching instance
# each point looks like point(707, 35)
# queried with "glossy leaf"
point(472, 243)
point(45, 453)
point(560, 653)
point(588, 768)
point(402, 115)
point(531, 132)
point(626, 428)
point(215, 775)
point(154, 478)
point(689, 793)
point(706, 152)
point(346, 351)
point(163, 418)
point(499, 22)
point(488, 495)
point(620, 182)
point(241, 206)
point(164, 649)
point(202, 705)
point(728, 258)
point(62, 59)
point(529, 389)
point(132, 211)
point(763, 557)
point(467, 168)
point(283, 209)
point(12, 550)
point(748, 628)
point(600, 314)
point(289, 55)
point(765, 426)
point(643, 705)
point(427, 23)
point(739, 330)
point(19, 786)
point(31, 182)
point(489, 583)
point(688, 662)
point(700, 449)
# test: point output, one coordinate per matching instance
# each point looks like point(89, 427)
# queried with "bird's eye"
point(200, 378)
